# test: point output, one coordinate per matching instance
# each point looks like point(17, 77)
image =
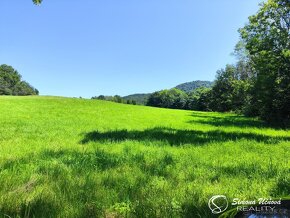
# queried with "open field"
point(64, 157)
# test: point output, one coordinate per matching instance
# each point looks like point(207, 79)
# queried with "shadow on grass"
point(176, 137)
point(229, 120)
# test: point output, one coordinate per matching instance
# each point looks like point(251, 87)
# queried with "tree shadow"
point(176, 137)
point(229, 121)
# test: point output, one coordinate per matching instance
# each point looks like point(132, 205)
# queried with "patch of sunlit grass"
point(87, 158)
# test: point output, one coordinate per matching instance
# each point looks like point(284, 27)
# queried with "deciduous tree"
point(266, 37)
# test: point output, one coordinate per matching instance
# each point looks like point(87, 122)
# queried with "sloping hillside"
point(64, 157)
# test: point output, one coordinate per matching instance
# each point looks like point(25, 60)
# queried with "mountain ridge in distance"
point(141, 98)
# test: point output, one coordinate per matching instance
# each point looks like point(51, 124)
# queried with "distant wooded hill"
point(138, 98)
point(186, 87)
point(190, 86)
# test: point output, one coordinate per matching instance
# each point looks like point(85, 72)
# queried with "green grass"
point(64, 157)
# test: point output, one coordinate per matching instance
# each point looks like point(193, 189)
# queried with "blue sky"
point(92, 47)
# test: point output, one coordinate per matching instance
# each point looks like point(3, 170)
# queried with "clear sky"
point(92, 47)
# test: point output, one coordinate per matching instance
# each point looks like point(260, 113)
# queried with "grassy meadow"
point(65, 157)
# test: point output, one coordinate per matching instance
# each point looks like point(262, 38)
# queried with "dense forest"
point(11, 83)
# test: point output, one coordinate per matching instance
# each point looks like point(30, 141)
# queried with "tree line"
point(115, 98)
point(12, 84)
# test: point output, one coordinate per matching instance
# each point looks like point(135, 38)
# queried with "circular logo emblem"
point(218, 204)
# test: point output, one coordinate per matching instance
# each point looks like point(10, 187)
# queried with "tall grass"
point(64, 157)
